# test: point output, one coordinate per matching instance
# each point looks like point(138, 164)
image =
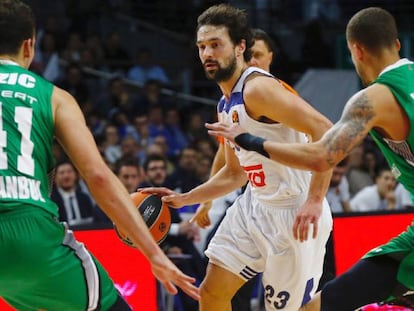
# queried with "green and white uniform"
point(42, 266)
point(399, 78)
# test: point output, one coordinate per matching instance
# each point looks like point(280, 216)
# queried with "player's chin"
point(211, 73)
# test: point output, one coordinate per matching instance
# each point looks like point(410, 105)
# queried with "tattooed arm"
point(373, 107)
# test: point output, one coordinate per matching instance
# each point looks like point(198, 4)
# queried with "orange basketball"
point(155, 213)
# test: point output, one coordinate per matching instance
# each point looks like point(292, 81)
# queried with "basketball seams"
point(155, 213)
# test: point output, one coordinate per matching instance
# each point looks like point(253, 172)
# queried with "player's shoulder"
point(62, 98)
point(378, 94)
point(258, 86)
point(61, 95)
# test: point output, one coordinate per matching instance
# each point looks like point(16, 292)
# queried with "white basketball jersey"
point(272, 183)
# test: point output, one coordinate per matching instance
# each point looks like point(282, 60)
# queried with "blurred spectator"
point(378, 197)
point(115, 97)
point(56, 26)
point(176, 139)
point(73, 82)
point(94, 46)
point(95, 123)
point(361, 169)
point(203, 168)
point(46, 59)
point(115, 56)
point(75, 206)
point(180, 239)
point(156, 123)
point(110, 145)
point(338, 193)
point(73, 49)
point(184, 177)
point(129, 173)
point(131, 149)
point(161, 147)
point(144, 69)
point(195, 129)
point(206, 147)
point(141, 130)
point(151, 97)
point(324, 10)
point(120, 119)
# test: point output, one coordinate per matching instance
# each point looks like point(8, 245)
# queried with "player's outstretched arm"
point(109, 193)
point(228, 179)
point(363, 111)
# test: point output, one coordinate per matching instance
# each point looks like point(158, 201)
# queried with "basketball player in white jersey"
point(256, 234)
point(262, 54)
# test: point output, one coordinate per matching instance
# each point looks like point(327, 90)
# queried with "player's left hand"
point(171, 277)
point(201, 217)
point(228, 131)
point(307, 215)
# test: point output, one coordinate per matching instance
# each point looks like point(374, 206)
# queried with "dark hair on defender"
point(17, 23)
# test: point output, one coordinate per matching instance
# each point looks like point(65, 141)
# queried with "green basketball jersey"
point(399, 78)
point(26, 138)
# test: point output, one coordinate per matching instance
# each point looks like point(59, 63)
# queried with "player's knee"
point(210, 292)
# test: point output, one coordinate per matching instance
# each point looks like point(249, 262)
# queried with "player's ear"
point(398, 44)
point(241, 47)
point(358, 50)
point(26, 47)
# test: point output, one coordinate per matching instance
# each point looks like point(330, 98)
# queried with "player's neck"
point(9, 60)
point(380, 63)
point(228, 85)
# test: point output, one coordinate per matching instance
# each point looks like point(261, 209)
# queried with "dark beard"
point(223, 74)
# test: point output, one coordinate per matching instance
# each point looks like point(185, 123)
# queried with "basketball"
point(155, 213)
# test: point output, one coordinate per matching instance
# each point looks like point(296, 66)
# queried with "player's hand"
point(171, 198)
point(201, 217)
point(228, 131)
point(170, 277)
point(307, 215)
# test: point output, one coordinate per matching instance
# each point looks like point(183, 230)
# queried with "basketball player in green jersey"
point(385, 110)
point(42, 266)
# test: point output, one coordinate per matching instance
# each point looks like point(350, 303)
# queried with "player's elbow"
point(97, 177)
point(319, 163)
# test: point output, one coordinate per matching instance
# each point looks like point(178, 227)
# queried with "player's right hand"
point(170, 197)
point(170, 277)
point(201, 217)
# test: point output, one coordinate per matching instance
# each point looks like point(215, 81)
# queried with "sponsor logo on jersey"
point(235, 116)
point(20, 187)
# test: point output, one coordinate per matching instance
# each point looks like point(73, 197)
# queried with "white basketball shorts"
point(253, 238)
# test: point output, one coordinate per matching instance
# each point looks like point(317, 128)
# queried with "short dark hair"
point(152, 158)
point(374, 28)
point(235, 20)
point(125, 161)
point(380, 169)
point(65, 161)
point(17, 23)
point(259, 34)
